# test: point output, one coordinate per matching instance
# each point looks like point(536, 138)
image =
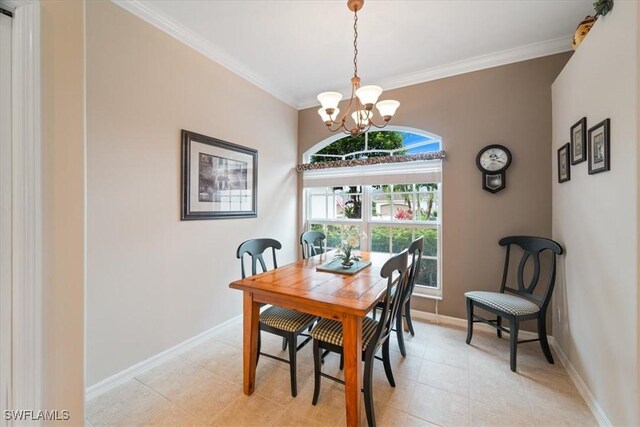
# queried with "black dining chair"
point(415, 252)
point(327, 334)
point(518, 305)
point(284, 322)
point(404, 312)
point(312, 243)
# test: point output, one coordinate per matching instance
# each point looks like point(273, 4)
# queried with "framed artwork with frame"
point(598, 147)
point(579, 141)
point(564, 167)
point(219, 179)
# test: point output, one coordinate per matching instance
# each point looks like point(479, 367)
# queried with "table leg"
point(251, 313)
point(352, 330)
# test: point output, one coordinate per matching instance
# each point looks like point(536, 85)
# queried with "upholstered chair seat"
point(330, 331)
point(507, 303)
point(285, 319)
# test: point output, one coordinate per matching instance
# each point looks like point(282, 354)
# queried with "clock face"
point(493, 159)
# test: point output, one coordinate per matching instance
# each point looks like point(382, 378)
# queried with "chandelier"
point(363, 98)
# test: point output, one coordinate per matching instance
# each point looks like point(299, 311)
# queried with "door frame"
point(25, 385)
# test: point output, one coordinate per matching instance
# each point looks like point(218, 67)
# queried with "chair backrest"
point(312, 243)
point(393, 297)
point(415, 252)
point(532, 247)
point(255, 248)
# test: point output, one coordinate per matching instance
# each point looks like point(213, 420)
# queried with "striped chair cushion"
point(285, 319)
point(505, 302)
point(331, 331)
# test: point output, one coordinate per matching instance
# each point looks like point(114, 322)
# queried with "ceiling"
point(296, 49)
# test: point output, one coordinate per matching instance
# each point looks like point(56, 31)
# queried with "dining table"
point(300, 286)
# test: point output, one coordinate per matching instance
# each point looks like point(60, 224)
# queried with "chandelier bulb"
point(327, 115)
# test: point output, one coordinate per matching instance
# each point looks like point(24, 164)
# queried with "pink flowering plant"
point(403, 215)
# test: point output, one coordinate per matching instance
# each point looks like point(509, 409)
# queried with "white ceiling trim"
point(213, 52)
point(203, 46)
point(476, 63)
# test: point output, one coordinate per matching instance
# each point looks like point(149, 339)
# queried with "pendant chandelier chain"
point(355, 43)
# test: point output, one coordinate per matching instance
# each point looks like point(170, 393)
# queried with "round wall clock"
point(493, 161)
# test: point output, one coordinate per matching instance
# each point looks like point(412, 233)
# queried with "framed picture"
point(579, 141)
point(598, 147)
point(564, 171)
point(219, 179)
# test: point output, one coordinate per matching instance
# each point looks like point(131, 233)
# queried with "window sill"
point(427, 296)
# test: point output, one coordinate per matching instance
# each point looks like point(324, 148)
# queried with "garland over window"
point(436, 155)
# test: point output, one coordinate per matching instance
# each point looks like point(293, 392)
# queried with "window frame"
point(367, 222)
point(306, 156)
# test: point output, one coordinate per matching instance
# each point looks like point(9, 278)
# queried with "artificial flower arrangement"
point(351, 237)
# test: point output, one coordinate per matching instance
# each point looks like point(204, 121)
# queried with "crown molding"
point(476, 63)
point(203, 46)
point(213, 52)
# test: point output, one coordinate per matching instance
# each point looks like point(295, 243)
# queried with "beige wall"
point(154, 281)
point(596, 217)
point(62, 65)
point(509, 105)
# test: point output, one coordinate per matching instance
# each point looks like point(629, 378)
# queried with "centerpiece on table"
point(346, 251)
point(346, 261)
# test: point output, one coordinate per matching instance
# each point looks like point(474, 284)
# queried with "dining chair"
point(284, 322)
point(415, 252)
point(327, 334)
point(312, 243)
point(518, 305)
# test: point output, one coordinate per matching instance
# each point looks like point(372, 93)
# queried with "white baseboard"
point(139, 368)
point(462, 323)
point(584, 391)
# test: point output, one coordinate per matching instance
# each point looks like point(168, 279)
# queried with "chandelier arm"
point(348, 109)
point(340, 125)
point(379, 127)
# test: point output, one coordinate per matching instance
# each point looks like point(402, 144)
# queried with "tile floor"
point(442, 381)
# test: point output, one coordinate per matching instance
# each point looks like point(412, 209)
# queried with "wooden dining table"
point(299, 286)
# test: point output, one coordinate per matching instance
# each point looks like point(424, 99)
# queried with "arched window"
point(402, 141)
point(391, 203)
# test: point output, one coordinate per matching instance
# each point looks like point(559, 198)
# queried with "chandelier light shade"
point(358, 117)
point(326, 117)
point(387, 108)
point(329, 100)
point(368, 95)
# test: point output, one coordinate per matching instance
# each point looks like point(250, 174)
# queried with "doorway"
point(5, 209)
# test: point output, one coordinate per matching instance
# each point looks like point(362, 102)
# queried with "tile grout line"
point(167, 399)
point(284, 407)
point(227, 380)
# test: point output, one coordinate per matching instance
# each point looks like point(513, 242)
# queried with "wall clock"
point(493, 161)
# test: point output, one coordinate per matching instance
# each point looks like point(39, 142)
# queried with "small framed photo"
point(219, 179)
point(564, 171)
point(579, 141)
point(598, 147)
